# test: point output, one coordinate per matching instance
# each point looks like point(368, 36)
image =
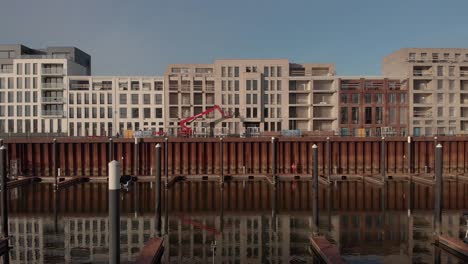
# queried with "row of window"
point(373, 98)
point(233, 71)
point(9, 83)
point(436, 56)
point(29, 68)
point(373, 115)
point(10, 97)
point(20, 111)
point(100, 112)
point(30, 126)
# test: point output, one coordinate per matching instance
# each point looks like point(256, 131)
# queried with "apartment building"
point(438, 88)
point(51, 90)
point(373, 107)
point(267, 95)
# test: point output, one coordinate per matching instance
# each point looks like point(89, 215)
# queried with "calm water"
point(73, 228)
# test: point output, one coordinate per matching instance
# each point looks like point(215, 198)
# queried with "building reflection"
point(249, 235)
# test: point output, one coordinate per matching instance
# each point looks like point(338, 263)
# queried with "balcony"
point(422, 114)
point(53, 113)
point(52, 100)
point(52, 71)
point(463, 71)
point(52, 86)
point(422, 71)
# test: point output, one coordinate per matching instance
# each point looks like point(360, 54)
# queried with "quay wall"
point(241, 156)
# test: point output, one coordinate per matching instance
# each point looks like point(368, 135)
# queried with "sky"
point(141, 37)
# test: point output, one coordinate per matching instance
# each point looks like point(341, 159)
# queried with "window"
point(135, 100)
point(344, 98)
point(158, 98)
point(94, 98)
point(368, 115)
point(135, 113)
point(247, 99)
point(451, 111)
point(101, 99)
point(451, 70)
point(278, 85)
point(230, 71)
point(403, 115)
point(223, 85)
point(440, 70)
point(451, 98)
point(440, 84)
point(403, 98)
point(355, 115)
point(440, 111)
point(86, 98)
point(254, 85)
point(78, 112)
point(392, 115)
point(368, 98)
point(19, 68)
point(123, 112)
point(254, 99)
point(355, 98)
point(94, 112)
point(146, 113)
point(344, 115)
point(392, 98)
point(440, 98)
point(27, 97)
point(451, 84)
point(236, 85)
point(109, 112)
point(146, 99)
point(223, 71)
point(379, 115)
point(19, 83)
point(27, 68)
point(278, 73)
point(412, 57)
point(266, 71)
point(109, 98)
point(158, 112)
point(34, 68)
point(248, 85)
point(19, 97)
point(236, 71)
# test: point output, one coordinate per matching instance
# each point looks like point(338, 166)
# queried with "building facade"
point(423, 92)
point(373, 107)
point(438, 88)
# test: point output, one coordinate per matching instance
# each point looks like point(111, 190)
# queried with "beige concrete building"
point(438, 88)
point(260, 95)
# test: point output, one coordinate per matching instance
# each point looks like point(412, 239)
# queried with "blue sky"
point(142, 37)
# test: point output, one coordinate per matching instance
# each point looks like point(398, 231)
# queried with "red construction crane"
point(184, 130)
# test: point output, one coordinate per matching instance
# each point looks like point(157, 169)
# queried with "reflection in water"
point(247, 228)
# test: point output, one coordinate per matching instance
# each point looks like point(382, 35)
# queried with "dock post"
point(315, 209)
point(136, 161)
point(3, 176)
point(158, 190)
point(55, 163)
point(114, 212)
point(221, 157)
point(383, 153)
point(166, 184)
point(273, 172)
point(329, 162)
point(410, 177)
point(111, 149)
point(438, 189)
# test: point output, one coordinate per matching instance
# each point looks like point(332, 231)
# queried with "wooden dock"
point(454, 246)
point(152, 252)
point(328, 252)
point(22, 182)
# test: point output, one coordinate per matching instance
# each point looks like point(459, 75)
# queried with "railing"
point(422, 73)
point(52, 99)
point(426, 114)
point(463, 72)
point(79, 86)
point(53, 113)
point(56, 71)
point(68, 57)
point(52, 85)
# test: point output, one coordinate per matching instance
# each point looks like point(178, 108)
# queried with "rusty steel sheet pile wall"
point(249, 156)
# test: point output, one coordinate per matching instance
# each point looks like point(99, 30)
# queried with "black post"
point(221, 157)
point(114, 212)
point(438, 189)
point(315, 209)
point(136, 158)
point(273, 159)
point(383, 153)
point(111, 149)
point(410, 195)
point(158, 190)
point(3, 176)
point(410, 165)
point(55, 164)
point(329, 162)
point(166, 193)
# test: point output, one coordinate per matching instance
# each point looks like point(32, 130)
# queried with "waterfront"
point(246, 228)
